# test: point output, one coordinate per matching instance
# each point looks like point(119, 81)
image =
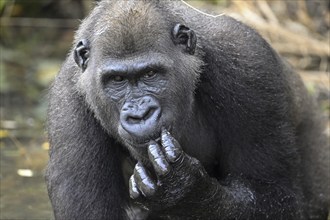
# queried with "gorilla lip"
point(142, 144)
point(135, 120)
point(145, 143)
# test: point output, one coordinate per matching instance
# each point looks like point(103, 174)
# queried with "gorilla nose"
point(140, 117)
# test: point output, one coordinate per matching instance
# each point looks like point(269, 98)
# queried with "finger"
point(144, 183)
point(158, 160)
point(133, 189)
point(172, 148)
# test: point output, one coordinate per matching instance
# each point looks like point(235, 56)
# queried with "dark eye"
point(118, 78)
point(150, 74)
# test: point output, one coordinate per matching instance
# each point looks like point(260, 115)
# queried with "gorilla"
point(162, 112)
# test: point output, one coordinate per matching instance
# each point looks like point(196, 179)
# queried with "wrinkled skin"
point(161, 112)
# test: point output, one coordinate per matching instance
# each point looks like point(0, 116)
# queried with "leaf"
point(4, 133)
point(25, 172)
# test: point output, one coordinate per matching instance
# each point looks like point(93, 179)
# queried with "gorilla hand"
point(180, 180)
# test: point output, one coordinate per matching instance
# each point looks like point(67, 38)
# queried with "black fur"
point(230, 101)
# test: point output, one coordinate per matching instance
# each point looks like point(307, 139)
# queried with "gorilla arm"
point(78, 191)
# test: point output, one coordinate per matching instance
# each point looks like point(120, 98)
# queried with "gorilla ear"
point(183, 35)
point(81, 54)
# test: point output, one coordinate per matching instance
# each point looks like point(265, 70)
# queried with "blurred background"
point(36, 35)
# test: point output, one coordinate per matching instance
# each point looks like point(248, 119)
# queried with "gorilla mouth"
point(137, 120)
point(143, 142)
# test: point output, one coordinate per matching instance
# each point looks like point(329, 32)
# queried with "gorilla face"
point(134, 94)
point(138, 91)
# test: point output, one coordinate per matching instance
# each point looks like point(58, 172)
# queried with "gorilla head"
point(135, 74)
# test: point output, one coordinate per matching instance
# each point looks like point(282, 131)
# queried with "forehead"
point(128, 27)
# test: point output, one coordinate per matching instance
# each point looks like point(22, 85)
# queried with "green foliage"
point(2, 4)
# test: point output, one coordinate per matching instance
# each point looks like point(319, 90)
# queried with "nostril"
point(128, 108)
point(140, 117)
point(149, 113)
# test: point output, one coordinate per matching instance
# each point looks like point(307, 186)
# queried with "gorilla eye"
point(118, 78)
point(150, 74)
